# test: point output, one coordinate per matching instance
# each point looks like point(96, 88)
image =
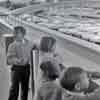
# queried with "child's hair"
point(18, 29)
point(70, 77)
point(46, 43)
point(50, 70)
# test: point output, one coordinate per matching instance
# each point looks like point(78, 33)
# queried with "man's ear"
point(77, 86)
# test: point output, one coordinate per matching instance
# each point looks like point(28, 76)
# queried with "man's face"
point(20, 35)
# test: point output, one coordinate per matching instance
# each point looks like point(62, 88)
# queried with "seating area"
point(78, 19)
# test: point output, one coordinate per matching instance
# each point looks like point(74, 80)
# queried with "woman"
point(47, 53)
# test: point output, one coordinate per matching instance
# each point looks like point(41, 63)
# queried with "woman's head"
point(75, 79)
point(47, 44)
point(49, 70)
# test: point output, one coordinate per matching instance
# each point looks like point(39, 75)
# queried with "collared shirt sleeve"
point(11, 54)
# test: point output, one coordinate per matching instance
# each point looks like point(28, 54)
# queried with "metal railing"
point(11, 20)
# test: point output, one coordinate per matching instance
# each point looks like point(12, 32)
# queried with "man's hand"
point(21, 61)
point(24, 61)
point(17, 61)
point(35, 47)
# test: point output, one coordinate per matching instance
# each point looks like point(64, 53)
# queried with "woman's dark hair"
point(50, 70)
point(47, 43)
point(70, 77)
point(18, 29)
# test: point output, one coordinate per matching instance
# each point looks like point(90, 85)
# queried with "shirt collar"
point(75, 93)
point(22, 41)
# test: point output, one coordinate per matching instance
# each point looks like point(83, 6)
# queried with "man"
point(18, 57)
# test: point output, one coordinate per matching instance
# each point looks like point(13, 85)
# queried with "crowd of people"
point(55, 80)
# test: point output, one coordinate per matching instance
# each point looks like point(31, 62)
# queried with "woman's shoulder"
point(45, 57)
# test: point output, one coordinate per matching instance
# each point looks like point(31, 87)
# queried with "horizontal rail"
point(17, 21)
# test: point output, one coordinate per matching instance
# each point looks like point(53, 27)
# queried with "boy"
point(76, 81)
point(18, 57)
point(49, 89)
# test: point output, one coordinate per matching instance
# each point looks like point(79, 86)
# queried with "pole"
point(34, 70)
point(32, 75)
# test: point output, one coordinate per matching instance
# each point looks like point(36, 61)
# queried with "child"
point(49, 89)
point(75, 80)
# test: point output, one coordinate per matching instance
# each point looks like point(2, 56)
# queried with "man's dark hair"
point(70, 77)
point(51, 70)
point(47, 43)
point(18, 29)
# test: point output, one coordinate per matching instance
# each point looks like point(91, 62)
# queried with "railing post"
point(34, 71)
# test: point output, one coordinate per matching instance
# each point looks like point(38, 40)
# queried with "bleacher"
point(62, 19)
point(79, 21)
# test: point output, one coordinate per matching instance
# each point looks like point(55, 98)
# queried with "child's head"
point(75, 79)
point(47, 44)
point(49, 70)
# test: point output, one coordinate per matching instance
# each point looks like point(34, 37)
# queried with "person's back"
point(49, 91)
